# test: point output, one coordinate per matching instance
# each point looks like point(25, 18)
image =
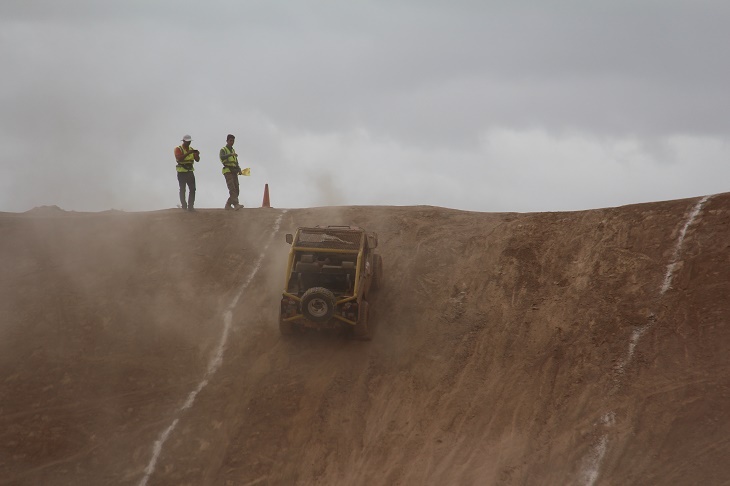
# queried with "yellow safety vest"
point(228, 162)
point(189, 158)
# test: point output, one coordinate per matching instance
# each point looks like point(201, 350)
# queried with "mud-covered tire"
point(286, 328)
point(318, 304)
point(377, 272)
point(362, 328)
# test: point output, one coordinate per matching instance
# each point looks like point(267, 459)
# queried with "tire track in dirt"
point(215, 361)
point(592, 463)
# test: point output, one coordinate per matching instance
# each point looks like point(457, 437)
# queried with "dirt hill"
point(547, 348)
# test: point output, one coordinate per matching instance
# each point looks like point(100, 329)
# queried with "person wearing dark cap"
point(231, 171)
point(185, 156)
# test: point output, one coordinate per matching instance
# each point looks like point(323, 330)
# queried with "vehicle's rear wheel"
point(318, 304)
point(377, 271)
point(362, 329)
point(286, 328)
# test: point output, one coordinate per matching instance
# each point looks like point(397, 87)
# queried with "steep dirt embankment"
point(547, 348)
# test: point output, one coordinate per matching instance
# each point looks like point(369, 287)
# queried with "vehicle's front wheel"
point(318, 304)
point(362, 329)
point(377, 271)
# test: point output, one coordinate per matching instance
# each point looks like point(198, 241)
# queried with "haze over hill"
point(509, 348)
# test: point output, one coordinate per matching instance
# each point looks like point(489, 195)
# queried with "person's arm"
point(181, 158)
point(225, 155)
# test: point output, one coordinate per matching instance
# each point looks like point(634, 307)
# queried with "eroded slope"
point(509, 349)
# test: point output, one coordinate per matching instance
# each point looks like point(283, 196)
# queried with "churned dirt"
point(562, 348)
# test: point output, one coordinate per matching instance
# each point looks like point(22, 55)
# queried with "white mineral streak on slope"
point(678, 247)
point(214, 363)
point(592, 463)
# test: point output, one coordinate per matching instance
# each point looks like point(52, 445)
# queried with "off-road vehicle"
point(329, 277)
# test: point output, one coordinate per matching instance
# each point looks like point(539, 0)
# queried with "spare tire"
point(318, 304)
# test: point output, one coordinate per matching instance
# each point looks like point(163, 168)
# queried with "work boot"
point(237, 206)
point(191, 209)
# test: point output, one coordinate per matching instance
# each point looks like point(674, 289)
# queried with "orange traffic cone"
point(266, 203)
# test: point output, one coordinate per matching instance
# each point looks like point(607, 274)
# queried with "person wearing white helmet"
point(185, 156)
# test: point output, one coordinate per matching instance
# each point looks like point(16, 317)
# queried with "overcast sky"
point(477, 105)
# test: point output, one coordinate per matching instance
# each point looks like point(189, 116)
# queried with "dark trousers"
point(233, 188)
point(186, 179)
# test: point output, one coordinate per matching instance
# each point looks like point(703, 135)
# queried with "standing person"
point(231, 170)
point(185, 155)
